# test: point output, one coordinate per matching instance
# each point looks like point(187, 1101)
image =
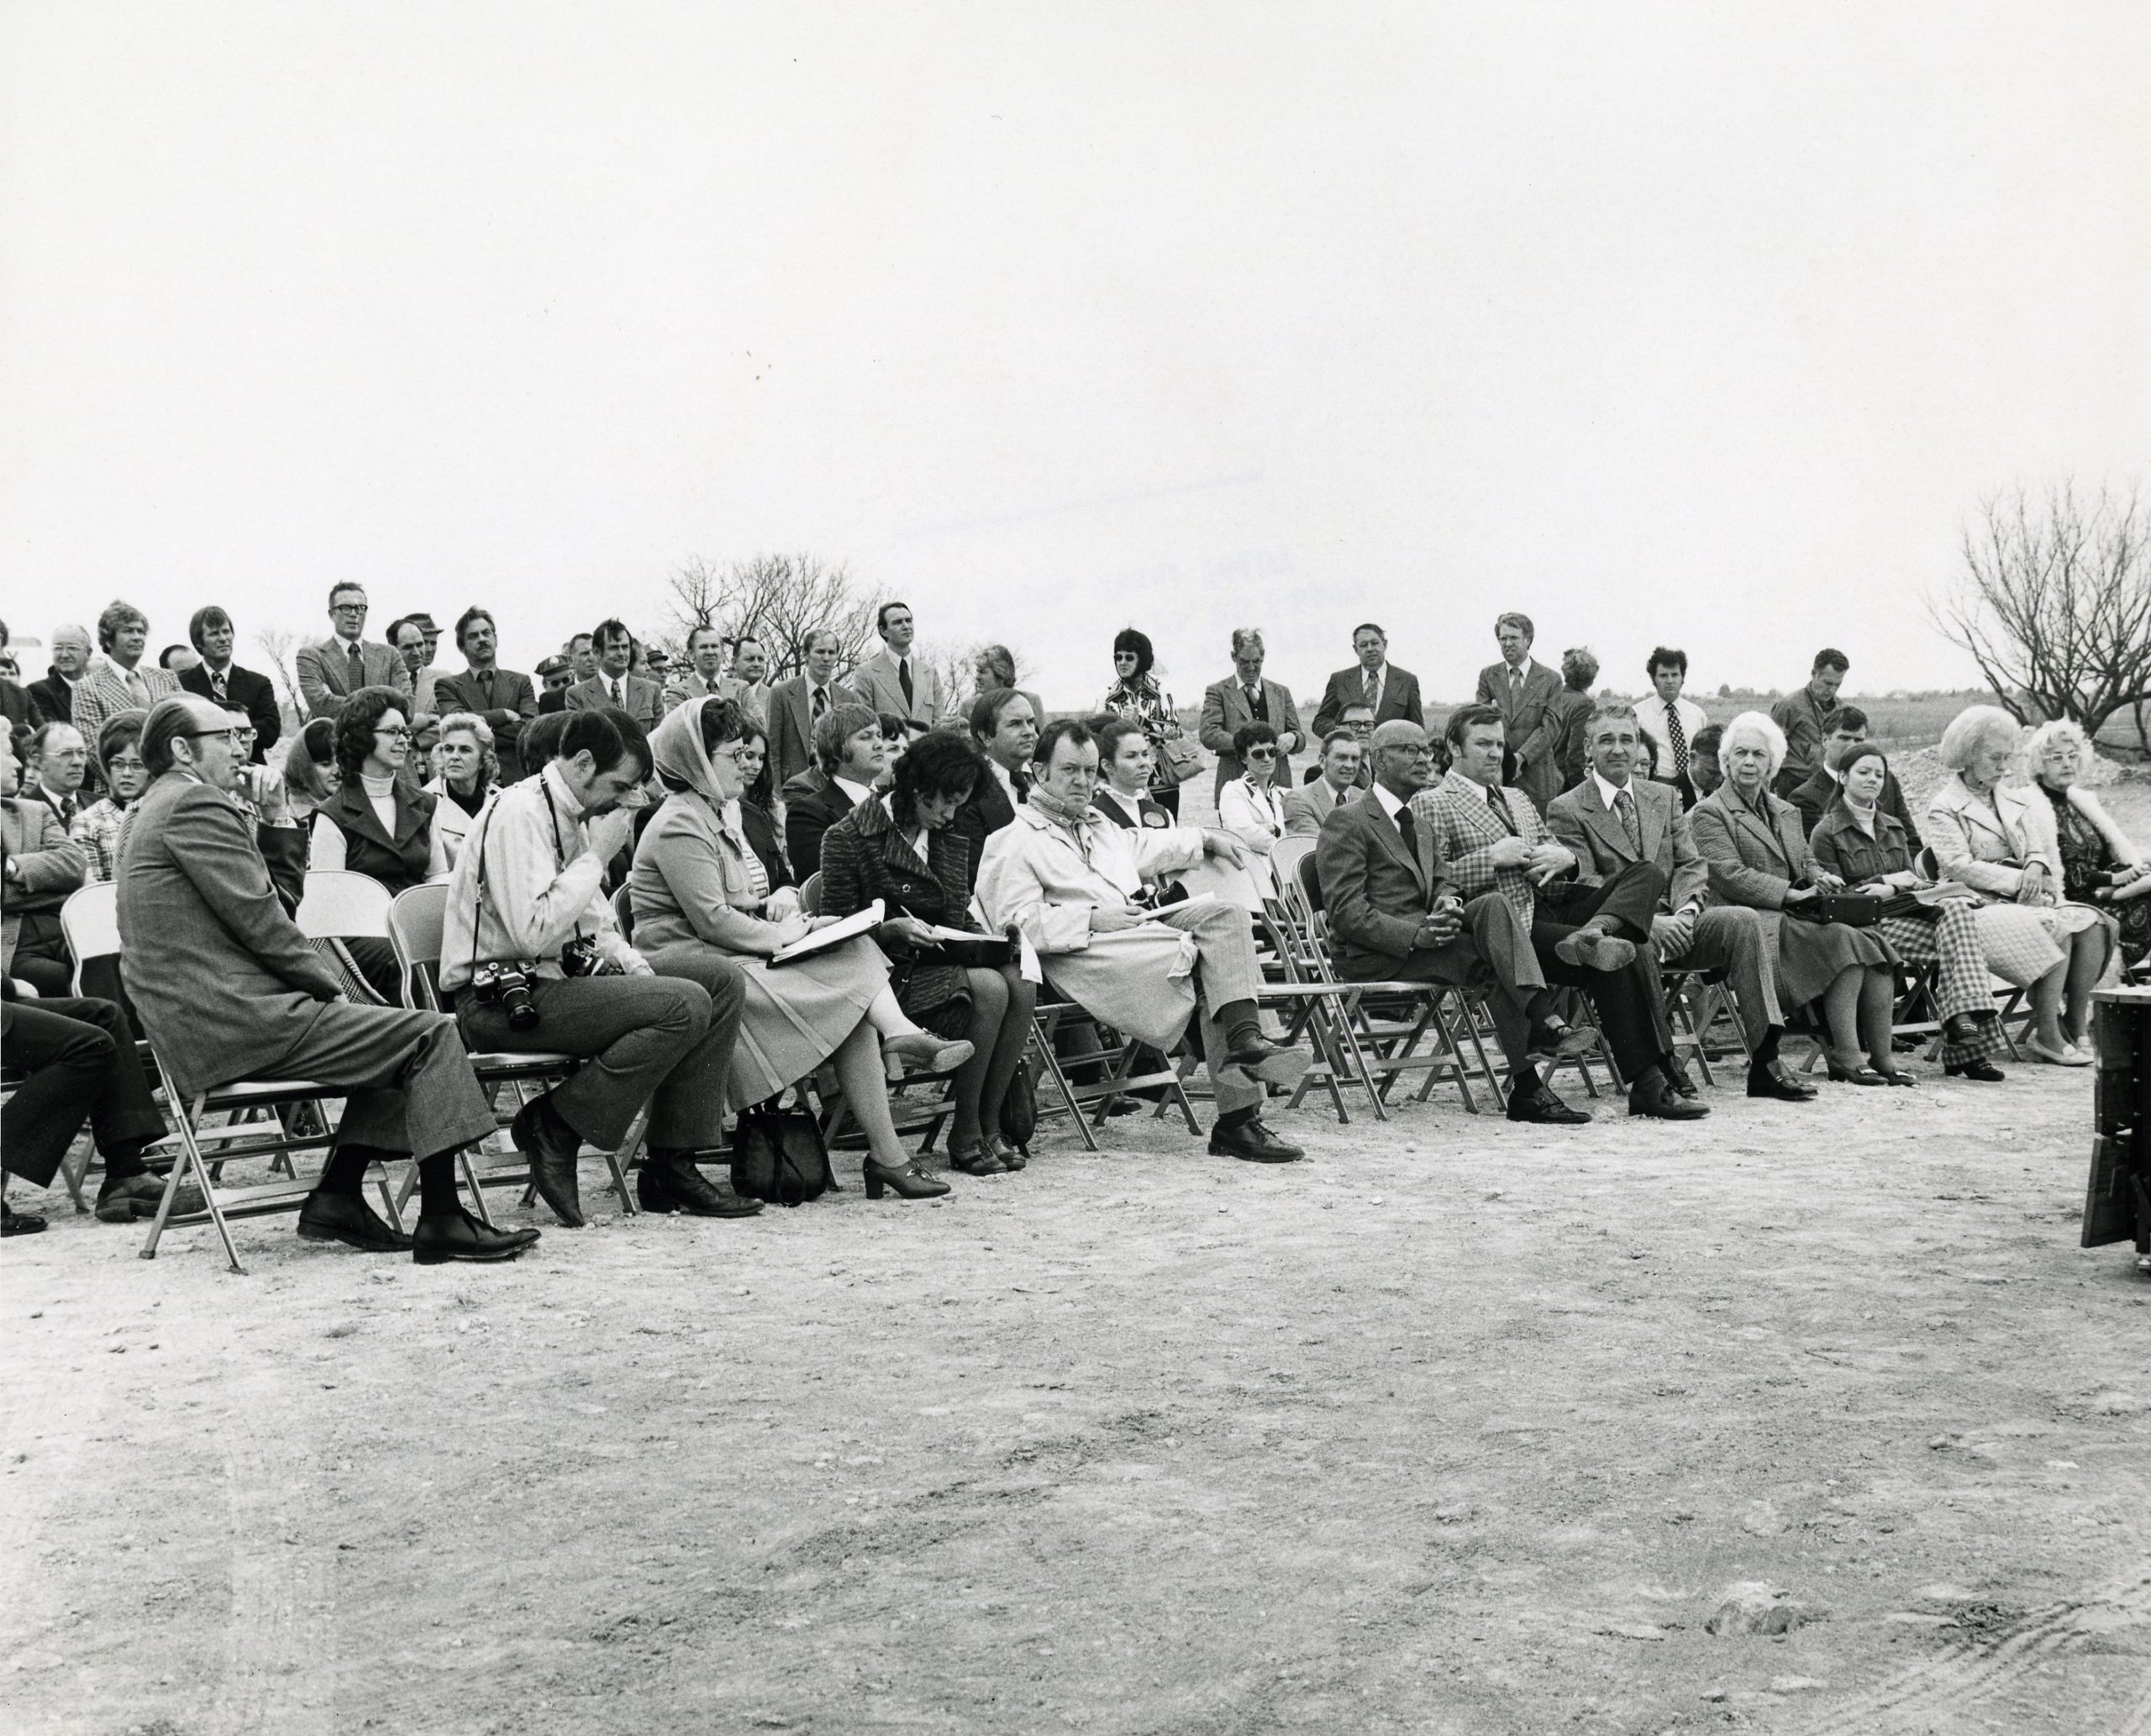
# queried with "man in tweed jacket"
point(1595, 939)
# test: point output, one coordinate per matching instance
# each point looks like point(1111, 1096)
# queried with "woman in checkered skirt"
point(1869, 849)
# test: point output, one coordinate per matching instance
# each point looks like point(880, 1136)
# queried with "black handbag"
point(1855, 910)
point(778, 1154)
point(1019, 1110)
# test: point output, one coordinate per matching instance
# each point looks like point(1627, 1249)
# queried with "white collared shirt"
point(1607, 793)
point(1389, 804)
point(858, 792)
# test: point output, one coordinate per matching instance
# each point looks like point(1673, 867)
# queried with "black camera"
point(508, 986)
point(579, 957)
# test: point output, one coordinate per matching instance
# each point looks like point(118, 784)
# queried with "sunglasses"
point(1262, 753)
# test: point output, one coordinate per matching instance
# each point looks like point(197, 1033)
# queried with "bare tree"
point(2055, 605)
point(278, 644)
point(779, 598)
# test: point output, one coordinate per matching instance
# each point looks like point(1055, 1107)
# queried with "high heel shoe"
point(910, 1183)
point(974, 1158)
point(922, 1052)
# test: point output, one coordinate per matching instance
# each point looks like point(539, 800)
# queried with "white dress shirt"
point(1650, 717)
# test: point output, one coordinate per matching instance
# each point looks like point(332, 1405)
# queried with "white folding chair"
point(90, 921)
point(415, 919)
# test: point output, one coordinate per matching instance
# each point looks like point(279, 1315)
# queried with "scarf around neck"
point(1068, 818)
point(676, 752)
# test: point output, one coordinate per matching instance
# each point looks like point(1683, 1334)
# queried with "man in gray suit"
point(507, 701)
point(1394, 915)
point(892, 680)
point(332, 672)
point(612, 687)
point(228, 988)
point(1244, 697)
point(798, 705)
point(1525, 692)
point(1613, 819)
point(1307, 806)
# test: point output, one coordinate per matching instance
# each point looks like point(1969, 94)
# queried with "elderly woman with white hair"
point(2100, 865)
point(466, 768)
point(1757, 856)
point(2002, 844)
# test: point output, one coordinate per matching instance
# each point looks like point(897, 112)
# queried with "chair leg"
point(1041, 1043)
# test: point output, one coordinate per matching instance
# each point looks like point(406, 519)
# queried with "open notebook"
point(860, 922)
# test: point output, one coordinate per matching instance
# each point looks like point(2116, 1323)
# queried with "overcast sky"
point(1704, 325)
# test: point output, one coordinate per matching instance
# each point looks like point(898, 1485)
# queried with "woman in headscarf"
point(698, 888)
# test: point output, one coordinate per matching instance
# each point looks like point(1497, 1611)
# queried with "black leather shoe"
point(18, 1223)
point(551, 1146)
point(670, 1183)
point(1539, 1104)
point(1270, 1062)
point(1593, 949)
point(345, 1218)
point(910, 1183)
point(1653, 1095)
point(1555, 1039)
point(1984, 1072)
point(1769, 1079)
point(457, 1235)
point(1677, 1080)
point(1251, 1142)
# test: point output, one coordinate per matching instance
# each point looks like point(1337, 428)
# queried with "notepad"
point(860, 922)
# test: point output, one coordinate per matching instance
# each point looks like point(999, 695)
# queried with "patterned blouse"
point(96, 830)
point(1143, 702)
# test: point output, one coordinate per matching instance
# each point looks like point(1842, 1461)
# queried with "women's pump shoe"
point(910, 1183)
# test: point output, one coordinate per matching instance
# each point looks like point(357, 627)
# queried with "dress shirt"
point(1389, 804)
point(858, 792)
point(1651, 717)
point(1381, 680)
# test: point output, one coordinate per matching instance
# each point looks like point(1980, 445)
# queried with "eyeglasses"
point(1262, 753)
point(229, 735)
point(401, 731)
point(348, 609)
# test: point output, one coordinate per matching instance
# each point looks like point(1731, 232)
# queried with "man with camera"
point(531, 953)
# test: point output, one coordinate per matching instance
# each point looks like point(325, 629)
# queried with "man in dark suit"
point(506, 700)
point(850, 752)
point(1848, 730)
point(54, 697)
point(1006, 732)
point(1243, 698)
point(217, 677)
point(1394, 916)
point(228, 988)
point(1614, 820)
point(639, 697)
point(331, 672)
point(1526, 693)
point(1373, 681)
point(798, 705)
point(1595, 939)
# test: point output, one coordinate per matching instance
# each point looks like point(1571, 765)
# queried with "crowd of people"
point(638, 859)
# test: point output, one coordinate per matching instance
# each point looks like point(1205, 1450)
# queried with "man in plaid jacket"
point(1595, 939)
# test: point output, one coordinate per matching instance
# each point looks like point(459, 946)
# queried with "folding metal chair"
point(415, 921)
point(90, 921)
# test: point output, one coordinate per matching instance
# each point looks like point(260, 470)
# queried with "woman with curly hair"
point(1136, 696)
point(375, 825)
point(2101, 864)
point(465, 769)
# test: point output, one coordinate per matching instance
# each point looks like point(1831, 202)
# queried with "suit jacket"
point(1567, 716)
point(250, 692)
point(1308, 806)
point(1225, 710)
point(1377, 893)
point(1754, 859)
point(1400, 698)
point(791, 729)
point(987, 810)
point(814, 802)
point(224, 983)
point(1532, 724)
point(1813, 799)
point(1581, 820)
point(103, 695)
point(324, 673)
point(1465, 831)
point(645, 698)
point(52, 701)
point(1107, 802)
point(875, 681)
point(51, 863)
point(514, 703)
point(17, 706)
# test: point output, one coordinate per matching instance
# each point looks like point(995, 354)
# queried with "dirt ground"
point(1454, 1427)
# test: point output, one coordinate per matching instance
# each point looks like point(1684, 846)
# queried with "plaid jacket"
point(1464, 832)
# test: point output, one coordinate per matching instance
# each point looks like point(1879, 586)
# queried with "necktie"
point(1255, 708)
point(1624, 804)
point(903, 681)
point(358, 662)
point(1408, 828)
point(217, 685)
point(1680, 742)
point(1372, 686)
point(1022, 780)
point(139, 687)
point(820, 703)
point(1501, 810)
point(1515, 684)
point(619, 697)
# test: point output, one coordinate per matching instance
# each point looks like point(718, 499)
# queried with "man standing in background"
point(892, 680)
point(1525, 692)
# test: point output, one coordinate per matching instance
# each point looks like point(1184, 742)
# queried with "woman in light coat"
point(2100, 865)
point(1251, 806)
point(1758, 855)
point(465, 769)
point(2002, 844)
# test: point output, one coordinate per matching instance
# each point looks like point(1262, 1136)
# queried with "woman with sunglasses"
point(1136, 696)
point(1251, 806)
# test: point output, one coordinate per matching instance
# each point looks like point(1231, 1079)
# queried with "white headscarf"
point(676, 752)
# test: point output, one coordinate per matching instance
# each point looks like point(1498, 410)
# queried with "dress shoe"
point(1555, 1039)
point(1270, 1062)
point(910, 1182)
point(1251, 1142)
point(1538, 1103)
point(1008, 1156)
point(1769, 1079)
point(18, 1223)
point(1595, 950)
point(1677, 1080)
point(2068, 1056)
point(670, 1182)
point(345, 1218)
point(974, 1157)
point(1840, 1074)
point(445, 1236)
point(1981, 1072)
point(1653, 1095)
point(137, 1196)
point(923, 1052)
point(551, 1146)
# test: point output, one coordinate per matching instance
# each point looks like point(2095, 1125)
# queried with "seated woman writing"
point(2002, 844)
point(899, 848)
point(1871, 851)
point(1757, 855)
point(700, 892)
point(2099, 865)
